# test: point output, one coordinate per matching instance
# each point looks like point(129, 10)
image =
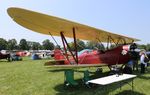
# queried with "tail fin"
point(58, 54)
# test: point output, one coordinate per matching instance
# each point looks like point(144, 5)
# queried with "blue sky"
point(126, 17)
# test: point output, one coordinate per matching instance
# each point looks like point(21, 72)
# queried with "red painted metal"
point(118, 55)
point(59, 52)
point(110, 57)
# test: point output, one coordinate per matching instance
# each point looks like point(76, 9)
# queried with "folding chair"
point(86, 78)
point(69, 78)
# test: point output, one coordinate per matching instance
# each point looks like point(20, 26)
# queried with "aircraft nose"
point(130, 47)
point(133, 51)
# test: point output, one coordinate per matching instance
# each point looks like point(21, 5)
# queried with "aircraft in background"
point(5, 56)
point(55, 26)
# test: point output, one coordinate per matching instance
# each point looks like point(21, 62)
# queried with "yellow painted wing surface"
point(44, 24)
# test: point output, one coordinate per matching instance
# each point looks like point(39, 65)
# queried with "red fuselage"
point(110, 57)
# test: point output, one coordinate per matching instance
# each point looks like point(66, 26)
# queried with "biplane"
point(55, 26)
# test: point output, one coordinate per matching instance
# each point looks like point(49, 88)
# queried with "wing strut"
point(112, 40)
point(66, 43)
point(108, 40)
point(54, 39)
point(62, 37)
point(75, 44)
point(116, 43)
point(66, 56)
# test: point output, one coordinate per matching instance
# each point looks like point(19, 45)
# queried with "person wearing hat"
point(143, 56)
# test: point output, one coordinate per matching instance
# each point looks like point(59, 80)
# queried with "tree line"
point(12, 44)
point(23, 44)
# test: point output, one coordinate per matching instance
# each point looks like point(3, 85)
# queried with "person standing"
point(135, 60)
point(143, 63)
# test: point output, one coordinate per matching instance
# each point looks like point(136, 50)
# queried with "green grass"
point(30, 77)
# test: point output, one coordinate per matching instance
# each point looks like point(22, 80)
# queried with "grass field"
point(30, 77)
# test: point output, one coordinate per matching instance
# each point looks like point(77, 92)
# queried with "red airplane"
point(118, 55)
point(55, 26)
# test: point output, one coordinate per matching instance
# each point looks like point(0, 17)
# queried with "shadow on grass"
point(57, 70)
point(82, 89)
point(95, 90)
point(143, 76)
point(129, 92)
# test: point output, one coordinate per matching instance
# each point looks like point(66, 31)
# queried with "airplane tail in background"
point(58, 54)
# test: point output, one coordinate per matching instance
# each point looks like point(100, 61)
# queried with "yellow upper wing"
point(44, 24)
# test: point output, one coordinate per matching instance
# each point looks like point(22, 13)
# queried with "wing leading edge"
point(44, 24)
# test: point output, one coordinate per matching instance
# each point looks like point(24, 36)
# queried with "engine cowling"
point(130, 47)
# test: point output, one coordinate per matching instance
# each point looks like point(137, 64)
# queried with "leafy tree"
point(36, 46)
point(148, 47)
point(72, 46)
point(23, 44)
point(3, 44)
point(12, 44)
point(80, 45)
point(29, 44)
point(47, 45)
point(92, 45)
point(142, 46)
